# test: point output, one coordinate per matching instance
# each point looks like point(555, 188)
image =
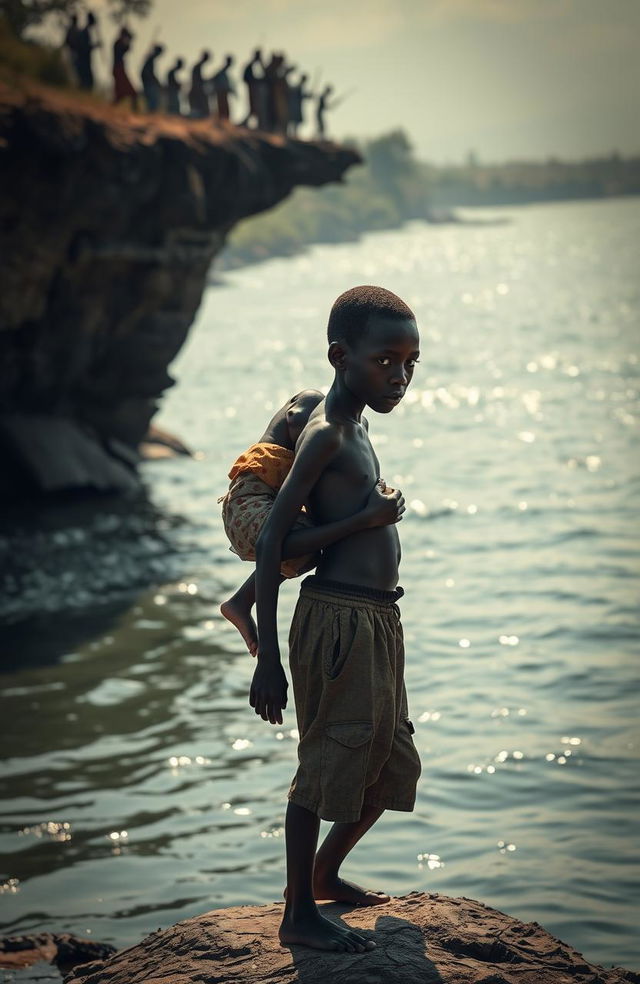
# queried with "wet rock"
point(109, 224)
point(421, 938)
point(160, 443)
point(61, 949)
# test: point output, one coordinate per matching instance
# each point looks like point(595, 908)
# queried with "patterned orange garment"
point(256, 477)
point(269, 462)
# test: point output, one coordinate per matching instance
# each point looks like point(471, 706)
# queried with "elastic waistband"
point(349, 594)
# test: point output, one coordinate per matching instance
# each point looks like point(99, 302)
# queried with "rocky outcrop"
point(109, 223)
point(420, 939)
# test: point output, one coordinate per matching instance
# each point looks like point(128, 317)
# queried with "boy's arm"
point(316, 450)
point(381, 509)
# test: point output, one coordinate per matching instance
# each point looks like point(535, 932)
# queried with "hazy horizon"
point(507, 79)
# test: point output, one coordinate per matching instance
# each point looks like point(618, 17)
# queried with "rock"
point(159, 443)
point(56, 453)
point(421, 939)
point(65, 951)
point(109, 223)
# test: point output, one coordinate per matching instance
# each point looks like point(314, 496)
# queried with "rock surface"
point(421, 939)
point(109, 223)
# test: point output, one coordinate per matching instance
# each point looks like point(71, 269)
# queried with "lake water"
point(138, 786)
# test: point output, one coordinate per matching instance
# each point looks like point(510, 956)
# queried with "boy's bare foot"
point(243, 622)
point(339, 890)
point(322, 934)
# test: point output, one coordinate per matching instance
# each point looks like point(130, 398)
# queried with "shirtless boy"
point(356, 754)
point(256, 477)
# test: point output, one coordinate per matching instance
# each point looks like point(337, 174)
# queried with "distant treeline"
point(393, 187)
point(518, 182)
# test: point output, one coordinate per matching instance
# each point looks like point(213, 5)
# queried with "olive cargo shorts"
point(346, 655)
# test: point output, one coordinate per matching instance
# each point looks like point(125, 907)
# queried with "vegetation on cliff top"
point(35, 61)
point(21, 15)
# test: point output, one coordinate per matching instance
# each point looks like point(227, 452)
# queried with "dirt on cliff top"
point(30, 96)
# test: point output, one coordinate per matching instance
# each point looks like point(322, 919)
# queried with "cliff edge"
point(423, 938)
point(109, 223)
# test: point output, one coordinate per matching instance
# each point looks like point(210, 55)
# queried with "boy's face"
point(380, 367)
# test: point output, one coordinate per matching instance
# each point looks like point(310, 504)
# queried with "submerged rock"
point(420, 939)
point(109, 223)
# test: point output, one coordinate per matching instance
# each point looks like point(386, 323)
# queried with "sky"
point(508, 79)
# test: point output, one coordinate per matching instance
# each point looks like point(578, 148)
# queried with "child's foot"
point(243, 622)
point(321, 934)
point(339, 890)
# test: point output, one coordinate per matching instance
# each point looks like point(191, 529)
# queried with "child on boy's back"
point(256, 477)
point(356, 754)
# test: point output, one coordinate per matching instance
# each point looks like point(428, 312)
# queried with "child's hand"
point(384, 506)
point(268, 694)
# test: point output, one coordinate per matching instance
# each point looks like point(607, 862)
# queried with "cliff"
point(109, 223)
point(423, 938)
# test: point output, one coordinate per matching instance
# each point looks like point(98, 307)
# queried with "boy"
point(356, 755)
point(256, 477)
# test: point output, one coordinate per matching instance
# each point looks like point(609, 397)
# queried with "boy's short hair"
point(351, 311)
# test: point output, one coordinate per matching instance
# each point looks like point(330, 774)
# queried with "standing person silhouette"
point(256, 90)
point(281, 96)
point(289, 98)
point(322, 106)
point(85, 46)
point(297, 96)
point(198, 98)
point(271, 80)
point(122, 87)
point(173, 88)
point(222, 87)
point(71, 46)
point(150, 81)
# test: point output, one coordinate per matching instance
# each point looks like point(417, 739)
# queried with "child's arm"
point(317, 448)
point(382, 509)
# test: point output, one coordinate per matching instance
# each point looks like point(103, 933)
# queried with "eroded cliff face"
point(109, 224)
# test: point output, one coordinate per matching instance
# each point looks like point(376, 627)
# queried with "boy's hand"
point(384, 506)
point(268, 694)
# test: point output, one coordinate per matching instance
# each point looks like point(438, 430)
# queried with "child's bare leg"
point(302, 921)
point(340, 840)
point(237, 609)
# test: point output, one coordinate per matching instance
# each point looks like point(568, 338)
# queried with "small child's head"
point(299, 410)
point(373, 345)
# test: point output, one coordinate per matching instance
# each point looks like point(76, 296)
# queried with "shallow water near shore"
point(138, 786)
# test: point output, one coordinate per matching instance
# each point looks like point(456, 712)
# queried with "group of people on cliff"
point(275, 98)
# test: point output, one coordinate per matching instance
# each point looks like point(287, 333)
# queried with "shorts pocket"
point(343, 635)
point(345, 754)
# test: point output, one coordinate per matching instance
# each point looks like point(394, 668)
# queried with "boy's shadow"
point(399, 957)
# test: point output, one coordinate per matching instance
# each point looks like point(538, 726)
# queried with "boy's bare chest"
point(357, 463)
point(347, 482)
